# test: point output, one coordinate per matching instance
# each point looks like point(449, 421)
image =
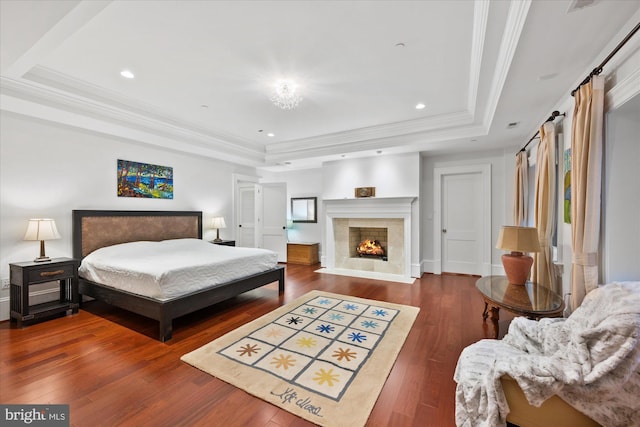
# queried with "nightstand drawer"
point(51, 272)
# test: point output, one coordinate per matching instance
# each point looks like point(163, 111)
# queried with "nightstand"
point(25, 274)
point(225, 242)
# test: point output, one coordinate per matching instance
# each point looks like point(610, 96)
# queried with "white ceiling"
point(205, 70)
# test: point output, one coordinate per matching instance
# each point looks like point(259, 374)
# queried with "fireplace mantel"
point(368, 208)
point(371, 207)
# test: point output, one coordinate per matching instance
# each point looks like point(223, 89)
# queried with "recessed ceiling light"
point(271, 134)
point(127, 74)
point(420, 106)
point(512, 125)
point(204, 106)
point(287, 163)
point(260, 130)
point(400, 45)
point(547, 77)
point(379, 152)
point(343, 155)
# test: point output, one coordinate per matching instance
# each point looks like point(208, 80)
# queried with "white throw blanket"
point(591, 360)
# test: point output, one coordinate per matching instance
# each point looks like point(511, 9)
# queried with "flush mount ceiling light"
point(286, 95)
point(127, 74)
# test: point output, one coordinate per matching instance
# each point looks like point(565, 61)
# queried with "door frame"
point(484, 169)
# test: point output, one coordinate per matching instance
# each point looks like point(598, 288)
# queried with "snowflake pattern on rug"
point(319, 345)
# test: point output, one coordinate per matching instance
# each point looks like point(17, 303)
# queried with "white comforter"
point(591, 360)
point(170, 268)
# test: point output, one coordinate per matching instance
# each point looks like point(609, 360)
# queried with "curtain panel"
point(521, 199)
point(544, 207)
point(586, 176)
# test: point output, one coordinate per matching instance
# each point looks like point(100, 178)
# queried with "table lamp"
point(517, 265)
point(218, 222)
point(42, 229)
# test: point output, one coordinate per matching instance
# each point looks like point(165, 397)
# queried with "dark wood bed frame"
point(93, 229)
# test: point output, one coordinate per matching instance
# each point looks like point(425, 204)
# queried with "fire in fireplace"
point(370, 247)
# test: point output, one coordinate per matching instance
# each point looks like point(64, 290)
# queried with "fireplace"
point(368, 242)
point(371, 248)
point(348, 222)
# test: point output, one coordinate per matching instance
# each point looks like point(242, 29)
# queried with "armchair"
point(552, 412)
point(587, 364)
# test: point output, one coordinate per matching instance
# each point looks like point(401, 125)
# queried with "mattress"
point(171, 268)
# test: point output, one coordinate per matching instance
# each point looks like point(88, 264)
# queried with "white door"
point(462, 216)
point(274, 219)
point(246, 215)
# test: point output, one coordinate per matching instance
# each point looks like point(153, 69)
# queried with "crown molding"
point(123, 120)
point(480, 18)
point(50, 78)
point(78, 15)
point(398, 143)
point(368, 137)
point(517, 15)
point(623, 91)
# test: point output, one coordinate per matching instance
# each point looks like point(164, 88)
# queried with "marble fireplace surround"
point(394, 213)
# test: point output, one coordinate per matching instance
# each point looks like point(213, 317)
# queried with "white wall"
point(47, 170)
point(621, 194)
point(392, 176)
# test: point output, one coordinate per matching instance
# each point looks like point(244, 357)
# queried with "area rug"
point(324, 357)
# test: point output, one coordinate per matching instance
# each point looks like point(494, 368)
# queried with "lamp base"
point(42, 257)
point(217, 240)
point(517, 267)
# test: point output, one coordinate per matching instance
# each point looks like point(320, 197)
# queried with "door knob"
point(444, 230)
point(240, 225)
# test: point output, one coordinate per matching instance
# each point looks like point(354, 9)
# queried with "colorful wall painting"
point(144, 180)
point(567, 185)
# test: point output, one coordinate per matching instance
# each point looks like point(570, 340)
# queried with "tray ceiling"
point(204, 72)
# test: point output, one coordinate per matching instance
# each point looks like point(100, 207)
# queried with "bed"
point(96, 229)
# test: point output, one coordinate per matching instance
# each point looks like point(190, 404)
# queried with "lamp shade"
point(518, 239)
point(218, 222)
point(41, 229)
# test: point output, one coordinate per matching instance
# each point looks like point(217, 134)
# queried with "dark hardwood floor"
point(106, 364)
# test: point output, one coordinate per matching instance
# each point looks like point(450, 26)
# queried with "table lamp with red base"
point(518, 240)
